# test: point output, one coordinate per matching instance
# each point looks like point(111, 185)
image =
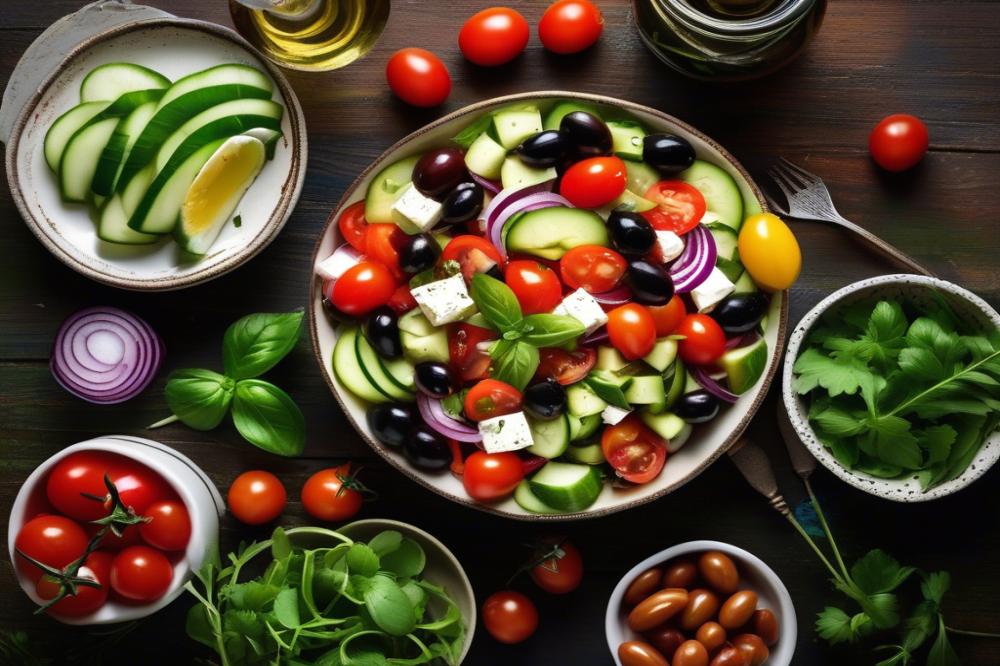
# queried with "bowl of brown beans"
point(701, 603)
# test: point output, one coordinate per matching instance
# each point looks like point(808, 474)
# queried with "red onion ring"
point(617, 296)
point(491, 186)
point(440, 422)
point(712, 386)
point(535, 201)
point(597, 337)
point(696, 262)
point(742, 340)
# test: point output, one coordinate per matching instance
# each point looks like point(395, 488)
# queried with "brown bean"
point(644, 585)
point(712, 635)
point(765, 624)
point(682, 573)
point(666, 640)
point(657, 608)
point(637, 653)
point(719, 571)
point(738, 609)
point(752, 647)
point(701, 607)
point(730, 656)
point(691, 653)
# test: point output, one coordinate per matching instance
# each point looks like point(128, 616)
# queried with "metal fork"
point(809, 199)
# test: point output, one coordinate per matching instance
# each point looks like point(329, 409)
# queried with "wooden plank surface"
point(937, 60)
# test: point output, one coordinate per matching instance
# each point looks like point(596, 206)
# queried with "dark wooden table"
point(937, 60)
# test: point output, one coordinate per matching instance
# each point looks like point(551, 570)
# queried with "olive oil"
point(312, 35)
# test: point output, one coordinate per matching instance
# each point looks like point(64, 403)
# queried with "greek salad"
point(554, 300)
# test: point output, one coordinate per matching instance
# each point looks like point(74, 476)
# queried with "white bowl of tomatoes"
point(167, 512)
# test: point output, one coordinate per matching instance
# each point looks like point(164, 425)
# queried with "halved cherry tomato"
point(490, 398)
point(592, 267)
point(566, 367)
point(97, 567)
point(331, 494)
point(594, 182)
point(632, 330)
point(169, 526)
point(636, 453)
point(418, 77)
point(491, 476)
point(537, 287)
point(353, 226)
point(141, 573)
point(467, 359)
point(899, 142)
point(256, 497)
point(570, 26)
point(679, 206)
point(562, 572)
point(382, 244)
point(493, 36)
point(52, 540)
point(703, 343)
point(473, 254)
point(402, 300)
point(510, 617)
point(668, 317)
point(362, 288)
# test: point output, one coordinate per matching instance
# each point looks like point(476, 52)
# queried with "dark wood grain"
point(934, 59)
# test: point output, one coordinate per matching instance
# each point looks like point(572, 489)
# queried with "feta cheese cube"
point(716, 287)
point(419, 211)
point(671, 245)
point(614, 415)
point(444, 301)
point(584, 308)
point(336, 264)
point(510, 432)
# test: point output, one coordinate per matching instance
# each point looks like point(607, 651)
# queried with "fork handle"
point(885, 249)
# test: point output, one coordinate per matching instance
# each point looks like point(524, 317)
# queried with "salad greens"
point(264, 415)
point(344, 604)
point(895, 391)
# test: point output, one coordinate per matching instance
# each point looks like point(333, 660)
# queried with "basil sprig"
point(264, 415)
point(515, 354)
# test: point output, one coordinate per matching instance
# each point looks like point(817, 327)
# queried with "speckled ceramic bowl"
point(974, 313)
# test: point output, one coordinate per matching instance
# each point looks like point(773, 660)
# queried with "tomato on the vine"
point(468, 360)
point(418, 77)
point(493, 36)
point(704, 341)
point(138, 486)
point(256, 497)
point(899, 142)
point(536, 286)
point(331, 494)
point(510, 617)
point(594, 182)
point(87, 600)
point(570, 26)
point(632, 330)
point(490, 398)
point(362, 288)
point(594, 268)
point(55, 541)
point(669, 316)
point(636, 453)
point(560, 573)
point(566, 367)
point(141, 573)
point(353, 226)
point(491, 476)
point(679, 206)
point(75, 479)
point(110, 541)
point(169, 526)
point(473, 254)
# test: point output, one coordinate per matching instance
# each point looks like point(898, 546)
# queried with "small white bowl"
point(973, 311)
point(192, 485)
point(754, 575)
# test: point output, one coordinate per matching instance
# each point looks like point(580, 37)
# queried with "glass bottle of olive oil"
point(311, 35)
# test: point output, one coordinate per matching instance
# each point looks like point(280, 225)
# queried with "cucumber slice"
point(646, 390)
point(632, 203)
point(268, 137)
point(79, 160)
point(371, 367)
point(745, 365)
point(665, 425)
point(725, 240)
point(626, 139)
point(112, 225)
point(527, 500)
point(677, 384)
point(400, 372)
point(421, 340)
point(514, 125)
point(385, 188)
point(722, 195)
point(550, 232)
point(551, 438)
point(554, 117)
point(609, 388)
point(567, 486)
point(588, 426)
point(744, 284)
point(515, 174)
point(485, 157)
point(114, 79)
point(348, 371)
point(582, 402)
point(591, 454)
point(112, 158)
point(65, 126)
point(574, 426)
point(663, 355)
point(610, 359)
point(641, 177)
point(730, 268)
point(680, 439)
point(220, 75)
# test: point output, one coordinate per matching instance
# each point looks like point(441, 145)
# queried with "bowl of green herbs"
point(893, 383)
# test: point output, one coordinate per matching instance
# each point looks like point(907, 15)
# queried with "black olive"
point(434, 379)
point(697, 407)
point(545, 149)
point(390, 423)
point(382, 332)
point(667, 153)
point(420, 252)
point(740, 313)
point(586, 133)
point(545, 400)
point(651, 284)
point(439, 171)
point(631, 233)
point(425, 449)
point(463, 203)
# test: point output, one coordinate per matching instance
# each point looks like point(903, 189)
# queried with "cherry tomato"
point(636, 453)
point(491, 398)
point(418, 77)
point(898, 142)
point(510, 617)
point(570, 26)
point(679, 206)
point(55, 541)
point(138, 486)
point(769, 252)
point(473, 254)
point(329, 494)
point(594, 182)
point(402, 300)
point(566, 367)
point(491, 476)
point(632, 330)
point(467, 359)
point(97, 567)
point(362, 288)
point(537, 287)
point(141, 573)
point(494, 36)
point(703, 343)
point(382, 244)
point(668, 317)
point(169, 526)
point(130, 537)
point(561, 573)
point(256, 497)
point(592, 267)
point(353, 226)
point(75, 476)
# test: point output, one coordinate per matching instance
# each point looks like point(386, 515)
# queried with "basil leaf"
point(268, 418)
point(551, 330)
point(514, 362)
point(199, 398)
point(254, 344)
point(389, 607)
point(496, 301)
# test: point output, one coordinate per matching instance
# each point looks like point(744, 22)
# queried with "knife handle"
point(755, 466)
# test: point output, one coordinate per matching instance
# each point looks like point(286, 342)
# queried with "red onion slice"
point(742, 340)
point(535, 201)
point(532, 463)
point(491, 186)
point(440, 422)
point(617, 296)
point(696, 262)
point(597, 337)
point(712, 386)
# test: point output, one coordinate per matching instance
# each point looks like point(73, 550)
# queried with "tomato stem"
point(173, 418)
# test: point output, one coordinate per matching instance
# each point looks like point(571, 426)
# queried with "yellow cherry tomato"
point(769, 252)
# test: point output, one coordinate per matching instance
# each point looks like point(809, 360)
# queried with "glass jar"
point(705, 40)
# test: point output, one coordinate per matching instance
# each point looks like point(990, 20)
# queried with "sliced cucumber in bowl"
point(114, 79)
point(65, 126)
point(567, 486)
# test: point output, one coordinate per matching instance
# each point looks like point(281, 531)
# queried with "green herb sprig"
point(264, 415)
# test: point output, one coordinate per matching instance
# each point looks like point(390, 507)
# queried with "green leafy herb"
point(514, 362)
point(496, 301)
point(551, 330)
point(238, 221)
point(268, 418)
point(254, 344)
point(199, 398)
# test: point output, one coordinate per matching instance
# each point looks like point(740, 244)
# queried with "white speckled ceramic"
point(974, 312)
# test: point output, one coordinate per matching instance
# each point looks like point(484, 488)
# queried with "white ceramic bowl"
point(196, 490)
point(754, 575)
point(708, 442)
point(974, 313)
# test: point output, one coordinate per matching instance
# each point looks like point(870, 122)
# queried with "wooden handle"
point(885, 249)
point(755, 467)
point(803, 461)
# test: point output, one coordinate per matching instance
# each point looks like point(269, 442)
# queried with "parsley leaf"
point(879, 572)
point(840, 373)
point(941, 652)
point(834, 626)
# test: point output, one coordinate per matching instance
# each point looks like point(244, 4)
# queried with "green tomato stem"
point(826, 529)
point(173, 418)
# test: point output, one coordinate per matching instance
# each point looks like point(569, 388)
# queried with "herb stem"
point(812, 544)
point(902, 407)
point(826, 528)
point(173, 418)
point(978, 634)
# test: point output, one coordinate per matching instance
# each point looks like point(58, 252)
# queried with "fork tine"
point(791, 175)
point(783, 182)
point(775, 207)
point(807, 176)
